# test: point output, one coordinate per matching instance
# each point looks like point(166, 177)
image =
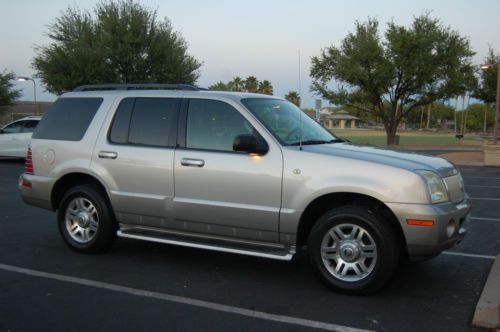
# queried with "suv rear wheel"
point(85, 220)
point(353, 250)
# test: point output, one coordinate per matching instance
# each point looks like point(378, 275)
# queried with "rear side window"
point(68, 119)
point(145, 121)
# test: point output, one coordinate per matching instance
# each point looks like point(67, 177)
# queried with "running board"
point(261, 252)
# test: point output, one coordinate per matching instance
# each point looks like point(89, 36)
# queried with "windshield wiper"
point(317, 141)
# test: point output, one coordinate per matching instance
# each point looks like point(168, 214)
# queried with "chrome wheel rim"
point(349, 252)
point(82, 220)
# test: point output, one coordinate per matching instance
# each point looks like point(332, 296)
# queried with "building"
point(20, 109)
point(332, 118)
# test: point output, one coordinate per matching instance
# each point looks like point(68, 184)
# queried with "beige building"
point(20, 109)
point(331, 118)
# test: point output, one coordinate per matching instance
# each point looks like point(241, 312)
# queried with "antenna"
point(300, 87)
point(300, 114)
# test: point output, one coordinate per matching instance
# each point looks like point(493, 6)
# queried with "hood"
point(407, 160)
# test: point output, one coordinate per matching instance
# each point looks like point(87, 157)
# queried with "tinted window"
point(213, 125)
point(68, 119)
point(13, 127)
point(145, 121)
point(29, 126)
point(121, 122)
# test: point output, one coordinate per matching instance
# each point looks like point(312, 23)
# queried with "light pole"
point(487, 66)
point(24, 79)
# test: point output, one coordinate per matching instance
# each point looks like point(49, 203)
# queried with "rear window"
point(68, 119)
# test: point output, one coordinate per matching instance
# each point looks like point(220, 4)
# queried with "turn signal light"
point(416, 222)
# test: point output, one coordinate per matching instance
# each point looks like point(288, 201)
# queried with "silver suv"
point(240, 173)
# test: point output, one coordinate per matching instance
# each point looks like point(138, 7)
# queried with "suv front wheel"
point(85, 220)
point(353, 250)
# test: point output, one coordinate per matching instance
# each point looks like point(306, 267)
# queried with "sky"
point(270, 39)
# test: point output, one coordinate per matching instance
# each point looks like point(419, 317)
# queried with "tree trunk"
point(485, 119)
point(463, 115)
point(429, 109)
point(466, 113)
point(391, 129)
point(421, 117)
point(455, 114)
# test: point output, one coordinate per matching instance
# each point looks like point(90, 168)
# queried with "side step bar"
point(282, 256)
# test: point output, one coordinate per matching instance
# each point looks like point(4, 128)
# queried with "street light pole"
point(23, 79)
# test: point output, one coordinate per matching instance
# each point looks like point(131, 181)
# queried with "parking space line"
point(473, 185)
point(452, 253)
point(484, 199)
point(183, 300)
point(484, 219)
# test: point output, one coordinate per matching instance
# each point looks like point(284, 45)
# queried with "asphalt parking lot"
point(148, 286)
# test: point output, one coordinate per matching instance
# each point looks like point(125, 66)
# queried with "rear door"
point(217, 190)
point(135, 156)
point(9, 139)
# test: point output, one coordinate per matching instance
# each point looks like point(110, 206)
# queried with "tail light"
point(28, 166)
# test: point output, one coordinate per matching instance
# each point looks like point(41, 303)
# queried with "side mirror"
point(248, 143)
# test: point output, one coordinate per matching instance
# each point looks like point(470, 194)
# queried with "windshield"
point(287, 122)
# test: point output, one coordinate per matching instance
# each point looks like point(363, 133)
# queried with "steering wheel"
point(294, 131)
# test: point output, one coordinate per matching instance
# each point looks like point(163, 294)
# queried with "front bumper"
point(428, 241)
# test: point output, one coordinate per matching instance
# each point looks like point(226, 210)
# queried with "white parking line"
point(452, 253)
point(484, 219)
point(473, 185)
point(183, 300)
point(484, 199)
point(480, 177)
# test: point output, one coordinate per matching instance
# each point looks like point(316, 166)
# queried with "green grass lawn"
point(378, 137)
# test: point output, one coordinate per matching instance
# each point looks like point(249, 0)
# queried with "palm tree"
point(251, 84)
point(219, 86)
point(237, 84)
point(293, 97)
point(266, 87)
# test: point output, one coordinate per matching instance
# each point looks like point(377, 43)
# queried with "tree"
point(413, 67)
point(7, 92)
point(487, 88)
point(219, 86)
point(237, 84)
point(265, 87)
point(123, 42)
point(293, 97)
point(251, 84)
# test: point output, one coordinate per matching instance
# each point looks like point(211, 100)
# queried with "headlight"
point(435, 185)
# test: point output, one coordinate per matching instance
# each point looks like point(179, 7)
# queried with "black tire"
point(380, 232)
point(101, 237)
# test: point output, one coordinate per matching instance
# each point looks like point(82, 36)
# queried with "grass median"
point(378, 137)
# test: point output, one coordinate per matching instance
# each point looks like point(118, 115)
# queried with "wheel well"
point(70, 180)
point(322, 204)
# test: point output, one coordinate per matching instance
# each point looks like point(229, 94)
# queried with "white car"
point(16, 136)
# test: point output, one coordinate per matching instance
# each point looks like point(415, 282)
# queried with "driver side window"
point(213, 125)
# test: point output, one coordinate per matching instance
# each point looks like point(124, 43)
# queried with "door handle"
point(107, 154)
point(192, 162)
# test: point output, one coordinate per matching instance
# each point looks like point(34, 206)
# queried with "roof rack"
point(110, 87)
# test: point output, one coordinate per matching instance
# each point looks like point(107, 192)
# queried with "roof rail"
point(154, 86)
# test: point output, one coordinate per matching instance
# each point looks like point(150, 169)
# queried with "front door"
point(220, 191)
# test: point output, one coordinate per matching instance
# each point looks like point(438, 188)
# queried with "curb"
point(487, 312)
